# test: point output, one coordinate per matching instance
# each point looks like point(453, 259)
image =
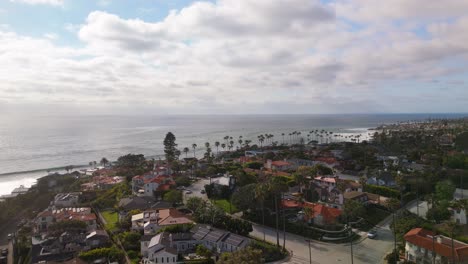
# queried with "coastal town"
point(398, 194)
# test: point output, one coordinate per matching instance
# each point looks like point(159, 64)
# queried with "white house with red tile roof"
point(148, 183)
point(423, 245)
point(279, 165)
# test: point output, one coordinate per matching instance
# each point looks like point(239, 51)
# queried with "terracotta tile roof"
point(290, 203)
point(325, 179)
point(329, 214)
point(81, 214)
point(164, 187)
point(424, 238)
point(280, 163)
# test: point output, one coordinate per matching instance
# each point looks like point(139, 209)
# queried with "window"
point(162, 259)
point(173, 259)
point(168, 260)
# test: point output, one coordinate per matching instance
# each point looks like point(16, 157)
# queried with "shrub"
point(112, 253)
point(382, 190)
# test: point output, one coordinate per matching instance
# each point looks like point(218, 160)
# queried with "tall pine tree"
point(170, 148)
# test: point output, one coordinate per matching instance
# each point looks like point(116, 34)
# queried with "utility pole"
point(453, 248)
point(417, 199)
point(394, 237)
point(310, 251)
point(351, 241)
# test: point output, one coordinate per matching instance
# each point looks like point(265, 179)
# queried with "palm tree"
point(226, 138)
point(262, 139)
point(194, 146)
point(217, 146)
point(104, 161)
point(261, 191)
point(240, 143)
point(276, 187)
point(94, 164)
point(282, 135)
point(223, 146)
point(186, 150)
point(308, 212)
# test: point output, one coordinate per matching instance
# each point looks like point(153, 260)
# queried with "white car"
point(372, 234)
point(188, 192)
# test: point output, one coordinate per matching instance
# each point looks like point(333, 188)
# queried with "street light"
point(350, 232)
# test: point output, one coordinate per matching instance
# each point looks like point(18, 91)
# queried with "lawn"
point(225, 205)
point(111, 218)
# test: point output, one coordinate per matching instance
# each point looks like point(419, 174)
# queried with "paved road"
point(196, 189)
point(366, 251)
point(10, 252)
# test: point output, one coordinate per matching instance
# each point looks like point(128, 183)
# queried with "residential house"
point(278, 165)
point(361, 197)
point(150, 221)
point(102, 183)
point(218, 240)
point(383, 178)
point(67, 199)
point(148, 184)
point(96, 239)
point(330, 162)
point(225, 180)
point(459, 210)
point(423, 246)
point(50, 216)
point(142, 203)
point(48, 248)
point(166, 246)
point(296, 163)
point(158, 252)
point(321, 214)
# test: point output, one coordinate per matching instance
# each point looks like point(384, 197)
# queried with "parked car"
point(10, 236)
point(3, 260)
point(4, 252)
point(372, 234)
point(203, 191)
point(188, 192)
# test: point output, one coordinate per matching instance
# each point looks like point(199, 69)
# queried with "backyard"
point(111, 219)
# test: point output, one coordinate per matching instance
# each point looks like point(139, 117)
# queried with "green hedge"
point(382, 190)
point(113, 253)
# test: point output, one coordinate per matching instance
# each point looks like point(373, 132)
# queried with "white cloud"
point(51, 36)
point(41, 2)
point(244, 56)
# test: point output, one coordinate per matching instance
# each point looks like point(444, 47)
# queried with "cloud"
point(41, 2)
point(248, 56)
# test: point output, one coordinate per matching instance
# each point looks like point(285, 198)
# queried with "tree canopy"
point(170, 148)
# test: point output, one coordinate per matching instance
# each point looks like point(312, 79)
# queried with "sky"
point(233, 56)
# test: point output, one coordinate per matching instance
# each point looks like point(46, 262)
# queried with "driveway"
point(367, 251)
point(413, 207)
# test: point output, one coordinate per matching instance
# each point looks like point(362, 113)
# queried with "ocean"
point(31, 145)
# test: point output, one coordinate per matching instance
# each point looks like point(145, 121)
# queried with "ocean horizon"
point(32, 145)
